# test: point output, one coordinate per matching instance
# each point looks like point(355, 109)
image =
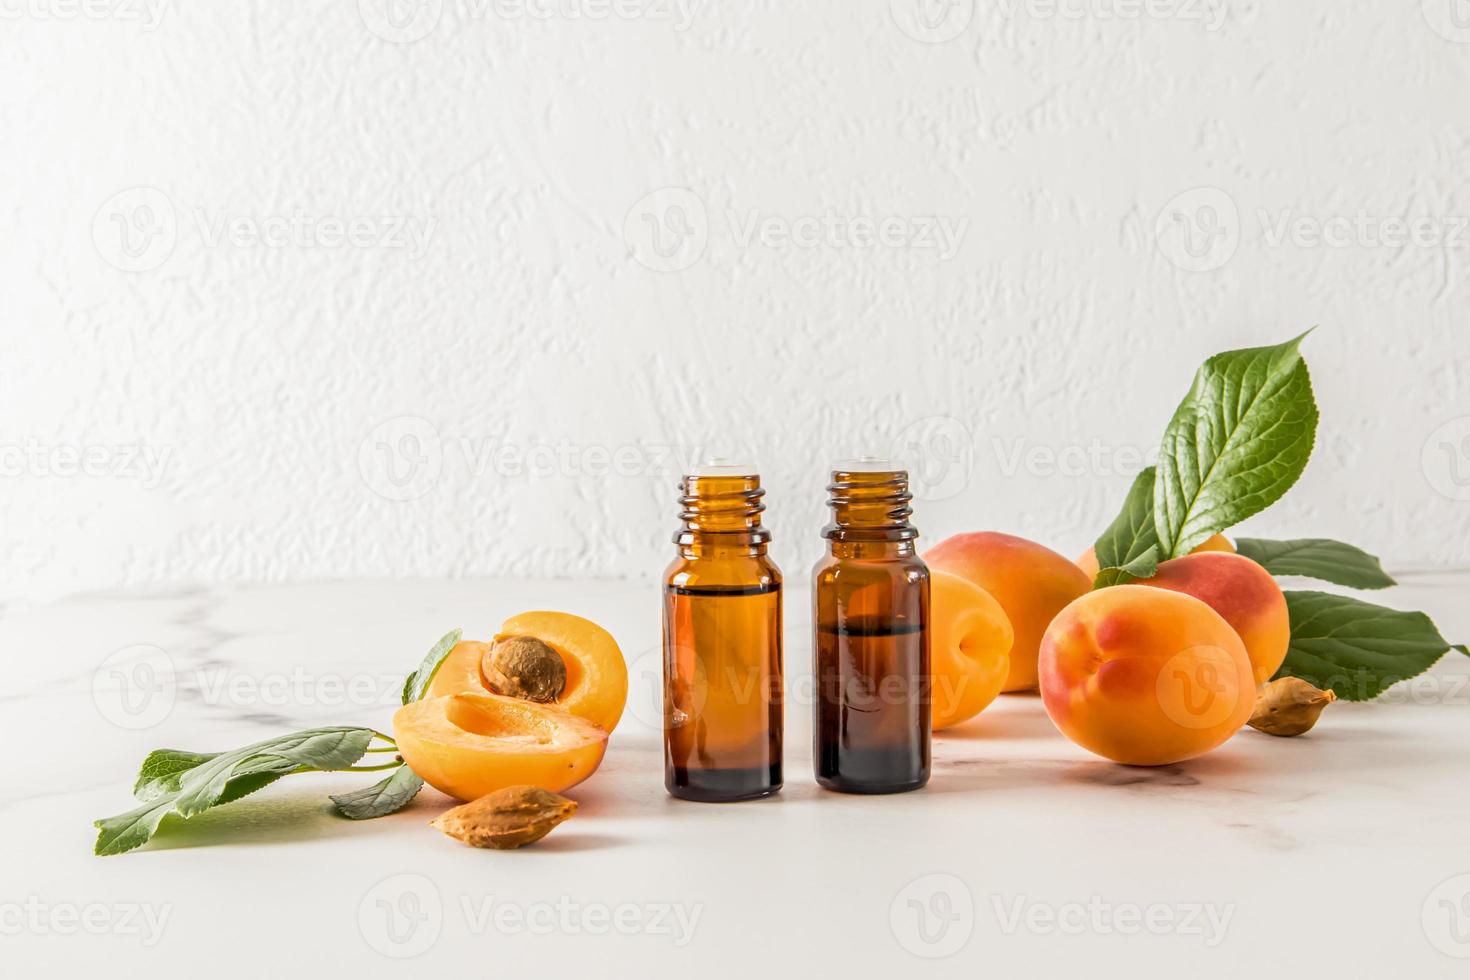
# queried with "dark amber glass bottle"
point(722, 644)
point(871, 618)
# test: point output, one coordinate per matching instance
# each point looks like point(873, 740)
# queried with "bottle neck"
point(870, 515)
point(721, 517)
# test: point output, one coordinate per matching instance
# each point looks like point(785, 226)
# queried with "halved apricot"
point(467, 745)
point(970, 640)
point(597, 675)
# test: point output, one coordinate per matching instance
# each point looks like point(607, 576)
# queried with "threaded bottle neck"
point(870, 502)
point(721, 508)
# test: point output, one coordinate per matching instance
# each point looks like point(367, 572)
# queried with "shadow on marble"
point(280, 817)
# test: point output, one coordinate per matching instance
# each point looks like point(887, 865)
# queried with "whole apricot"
point(1243, 593)
point(970, 640)
point(1032, 583)
point(1145, 676)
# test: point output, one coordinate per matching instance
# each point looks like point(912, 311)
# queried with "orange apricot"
point(1243, 593)
point(597, 676)
point(1087, 561)
point(970, 640)
point(467, 745)
point(1145, 676)
point(1032, 584)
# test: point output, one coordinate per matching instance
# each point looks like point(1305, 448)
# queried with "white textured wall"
point(1021, 286)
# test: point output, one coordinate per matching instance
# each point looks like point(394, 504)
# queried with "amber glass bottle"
point(722, 644)
point(871, 618)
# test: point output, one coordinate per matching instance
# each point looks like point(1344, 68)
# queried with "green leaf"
point(1129, 548)
point(388, 796)
point(418, 682)
point(162, 771)
point(1238, 441)
point(1320, 558)
point(1355, 648)
point(225, 777)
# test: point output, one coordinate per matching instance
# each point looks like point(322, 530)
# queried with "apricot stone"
point(1032, 583)
point(1145, 676)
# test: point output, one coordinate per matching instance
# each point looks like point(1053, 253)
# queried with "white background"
point(580, 259)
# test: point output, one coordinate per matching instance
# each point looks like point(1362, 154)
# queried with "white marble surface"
point(1335, 852)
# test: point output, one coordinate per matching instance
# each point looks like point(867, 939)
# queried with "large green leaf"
point(1129, 548)
point(1238, 441)
point(1355, 648)
point(1319, 558)
point(226, 776)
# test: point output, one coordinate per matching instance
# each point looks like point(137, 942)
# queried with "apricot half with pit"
point(592, 683)
point(468, 745)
